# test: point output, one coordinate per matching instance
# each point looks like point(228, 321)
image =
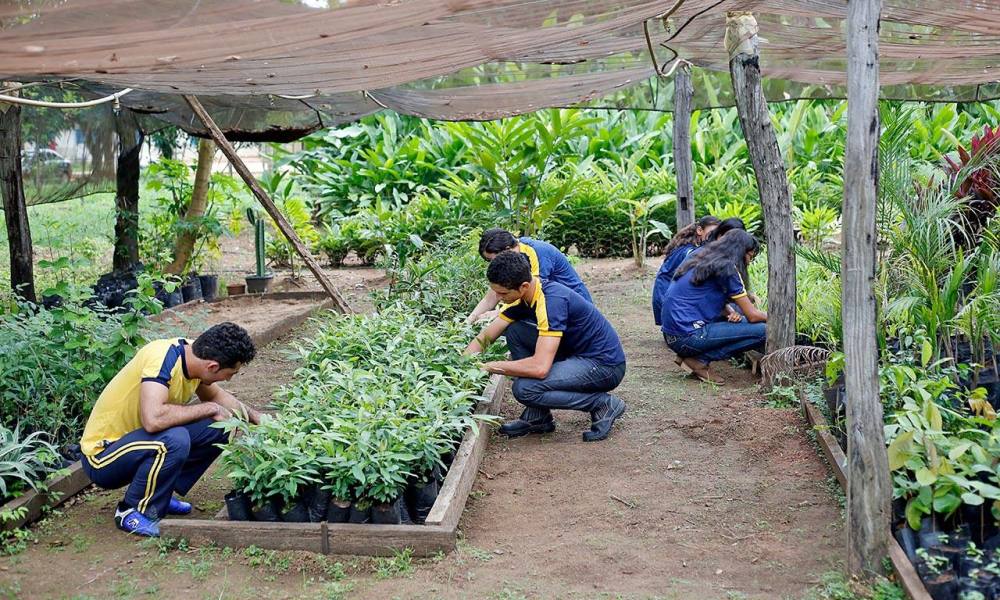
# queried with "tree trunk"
point(130, 138)
point(22, 275)
point(683, 164)
point(868, 484)
point(196, 209)
point(267, 203)
point(772, 183)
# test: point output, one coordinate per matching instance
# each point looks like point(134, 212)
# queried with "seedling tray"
point(905, 572)
point(437, 534)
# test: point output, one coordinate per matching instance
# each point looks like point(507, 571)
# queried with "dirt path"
point(699, 493)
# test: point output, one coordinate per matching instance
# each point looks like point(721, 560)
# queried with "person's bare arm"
point(214, 393)
point(751, 312)
point(488, 303)
point(535, 366)
point(157, 414)
point(486, 336)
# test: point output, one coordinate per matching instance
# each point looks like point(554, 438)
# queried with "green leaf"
point(972, 499)
point(925, 476)
point(926, 351)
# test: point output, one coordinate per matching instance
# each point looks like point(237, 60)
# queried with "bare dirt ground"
point(700, 492)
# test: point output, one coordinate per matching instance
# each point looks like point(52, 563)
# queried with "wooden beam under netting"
point(683, 163)
point(772, 182)
point(265, 200)
point(868, 483)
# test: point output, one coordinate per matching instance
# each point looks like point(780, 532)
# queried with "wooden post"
point(683, 164)
point(265, 200)
point(130, 137)
point(772, 183)
point(22, 274)
point(868, 484)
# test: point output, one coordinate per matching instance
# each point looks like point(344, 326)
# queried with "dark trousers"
point(719, 340)
point(155, 465)
point(573, 383)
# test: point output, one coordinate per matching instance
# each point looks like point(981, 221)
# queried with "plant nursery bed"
point(437, 534)
point(904, 569)
point(265, 316)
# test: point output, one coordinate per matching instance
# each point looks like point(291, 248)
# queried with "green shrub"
point(55, 363)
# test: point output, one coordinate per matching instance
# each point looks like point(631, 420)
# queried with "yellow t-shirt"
point(116, 412)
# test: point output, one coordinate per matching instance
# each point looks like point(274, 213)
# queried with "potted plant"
point(258, 284)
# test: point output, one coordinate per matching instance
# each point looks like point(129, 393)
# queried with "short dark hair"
point(495, 241)
point(509, 269)
point(226, 343)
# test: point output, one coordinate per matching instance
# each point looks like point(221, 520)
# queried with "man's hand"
point(734, 317)
point(221, 412)
point(493, 367)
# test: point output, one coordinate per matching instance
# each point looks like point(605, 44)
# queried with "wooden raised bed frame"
point(438, 534)
point(64, 487)
point(908, 578)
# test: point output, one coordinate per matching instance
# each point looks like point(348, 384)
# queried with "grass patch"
point(835, 585)
point(397, 565)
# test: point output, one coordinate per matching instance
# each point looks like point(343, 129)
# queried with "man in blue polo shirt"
point(575, 362)
point(547, 263)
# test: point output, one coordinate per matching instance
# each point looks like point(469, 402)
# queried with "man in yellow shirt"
point(145, 433)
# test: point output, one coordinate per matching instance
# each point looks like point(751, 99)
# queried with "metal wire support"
point(44, 104)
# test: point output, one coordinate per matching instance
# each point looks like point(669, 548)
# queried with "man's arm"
point(214, 393)
point(535, 366)
point(488, 303)
point(157, 414)
point(752, 313)
point(486, 336)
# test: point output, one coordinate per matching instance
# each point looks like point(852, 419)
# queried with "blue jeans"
point(155, 465)
point(574, 383)
point(719, 340)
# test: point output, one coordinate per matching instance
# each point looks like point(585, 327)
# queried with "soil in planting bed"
point(698, 493)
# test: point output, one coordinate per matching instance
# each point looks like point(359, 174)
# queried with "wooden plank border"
point(904, 569)
point(438, 534)
point(57, 491)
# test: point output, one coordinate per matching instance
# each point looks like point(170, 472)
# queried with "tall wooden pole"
point(772, 183)
point(683, 164)
point(868, 484)
point(130, 137)
point(265, 200)
point(22, 273)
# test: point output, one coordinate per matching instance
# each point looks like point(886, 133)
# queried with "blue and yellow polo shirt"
point(117, 412)
point(688, 307)
point(561, 312)
point(549, 264)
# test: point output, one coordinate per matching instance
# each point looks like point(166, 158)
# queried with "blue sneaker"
point(132, 521)
point(178, 507)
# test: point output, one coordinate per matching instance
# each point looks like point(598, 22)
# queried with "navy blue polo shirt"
point(687, 306)
point(549, 264)
point(560, 312)
point(666, 275)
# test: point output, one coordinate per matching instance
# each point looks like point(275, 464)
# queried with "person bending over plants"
point(693, 324)
point(144, 434)
point(680, 246)
point(547, 263)
point(575, 361)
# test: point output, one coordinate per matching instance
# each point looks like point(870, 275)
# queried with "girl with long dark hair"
point(680, 246)
point(697, 298)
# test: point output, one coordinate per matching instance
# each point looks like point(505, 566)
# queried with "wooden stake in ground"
point(265, 200)
point(130, 137)
point(772, 184)
point(683, 164)
point(868, 484)
point(22, 274)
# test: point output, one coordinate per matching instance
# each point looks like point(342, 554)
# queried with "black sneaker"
point(603, 418)
point(519, 427)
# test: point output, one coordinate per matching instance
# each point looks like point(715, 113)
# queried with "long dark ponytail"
point(721, 257)
point(725, 227)
point(689, 234)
